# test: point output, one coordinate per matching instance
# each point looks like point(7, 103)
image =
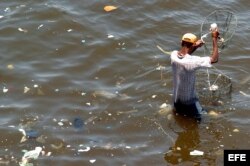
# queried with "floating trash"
point(10, 66)
point(28, 155)
point(196, 153)
point(213, 113)
point(109, 8)
point(57, 146)
point(32, 134)
point(154, 96)
point(213, 87)
point(78, 123)
point(104, 94)
point(1, 17)
point(40, 26)
point(60, 123)
point(5, 90)
point(92, 161)
point(26, 89)
point(22, 30)
point(236, 130)
point(110, 36)
point(84, 150)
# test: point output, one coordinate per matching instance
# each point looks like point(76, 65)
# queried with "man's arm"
point(197, 44)
point(215, 55)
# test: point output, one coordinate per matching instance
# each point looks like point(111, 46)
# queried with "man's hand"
point(215, 34)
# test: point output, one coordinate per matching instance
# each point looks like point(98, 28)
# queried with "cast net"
point(213, 84)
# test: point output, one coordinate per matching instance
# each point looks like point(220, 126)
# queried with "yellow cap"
point(189, 37)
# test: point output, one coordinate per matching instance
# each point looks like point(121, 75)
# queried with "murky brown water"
point(87, 85)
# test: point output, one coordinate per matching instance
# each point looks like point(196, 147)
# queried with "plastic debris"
point(60, 123)
point(154, 96)
point(35, 86)
point(28, 155)
point(92, 161)
point(243, 93)
point(91, 119)
point(32, 134)
point(26, 89)
point(84, 150)
point(236, 130)
point(213, 87)
point(213, 113)
point(22, 30)
point(105, 94)
point(109, 8)
point(69, 30)
point(110, 36)
point(164, 105)
point(10, 66)
point(5, 90)
point(78, 123)
point(196, 153)
point(57, 146)
point(1, 17)
point(7, 9)
point(40, 26)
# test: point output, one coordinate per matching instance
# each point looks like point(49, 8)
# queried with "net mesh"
point(217, 85)
point(226, 22)
point(212, 87)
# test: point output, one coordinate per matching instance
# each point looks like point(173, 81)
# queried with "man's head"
point(188, 40)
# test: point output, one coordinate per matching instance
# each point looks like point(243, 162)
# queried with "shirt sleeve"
point(202, 61)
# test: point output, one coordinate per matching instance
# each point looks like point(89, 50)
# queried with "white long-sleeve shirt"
point(184, 76)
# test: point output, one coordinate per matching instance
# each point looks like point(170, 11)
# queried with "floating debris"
point(84, 150)
point(78, 123)
point(5, 90)
point(92, 161)
point(90, 119)
point(154, 96)
point(196, 153)
point(213, 87)
point(105, 94)
point(243, 93)
point(109, 8)
point(57, 146)
point(35, 86)
point(213, 113)
point(60, 123)
point(110, 36)
point(7, 9)
point(69, 30)
point(165, 109)
point(40, 26)
point(236, 130)
point(1, 17)
point(160, 68)
point(26, 89)
point(28, 155)
point(22, 30)
point(10, 66)
point(32, 134)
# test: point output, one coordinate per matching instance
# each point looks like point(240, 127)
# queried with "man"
point(184, 66)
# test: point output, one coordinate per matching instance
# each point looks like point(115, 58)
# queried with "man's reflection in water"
point(188, 139)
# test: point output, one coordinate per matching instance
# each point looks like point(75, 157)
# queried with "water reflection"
point(188, 139)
